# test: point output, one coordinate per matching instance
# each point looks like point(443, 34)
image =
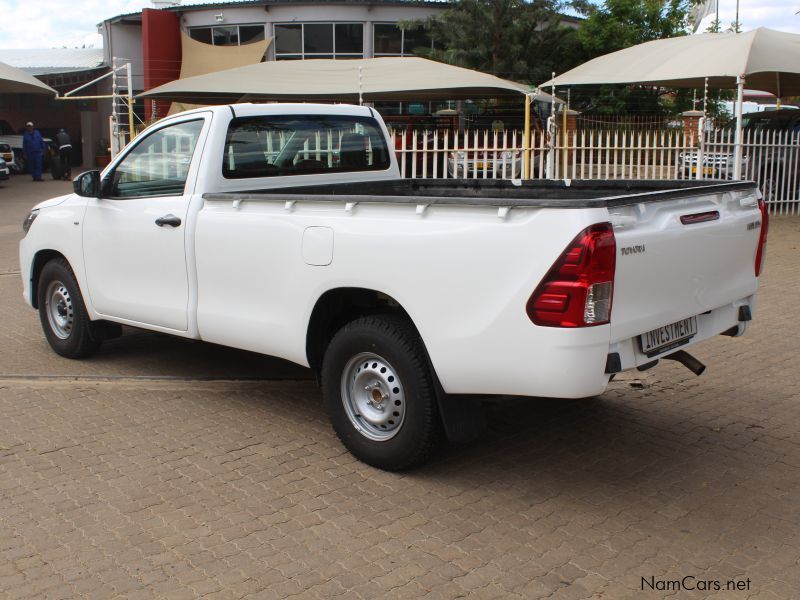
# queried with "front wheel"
point(63, 314)
point(380, 393)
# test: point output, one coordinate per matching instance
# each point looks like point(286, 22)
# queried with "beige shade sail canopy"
point(16, 81)
point(769, 60)
point(397, 79)
point(200, 59)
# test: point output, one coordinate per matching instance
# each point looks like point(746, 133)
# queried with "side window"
point(159, 164)
point(270, 146)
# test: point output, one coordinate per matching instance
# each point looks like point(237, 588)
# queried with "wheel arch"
point(40, 259)
point(337, 307)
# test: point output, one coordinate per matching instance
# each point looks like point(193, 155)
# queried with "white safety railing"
point(468, 154)
point(622, 155)
point(770, 158)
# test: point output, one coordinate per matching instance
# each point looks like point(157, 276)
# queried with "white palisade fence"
point(770, 158)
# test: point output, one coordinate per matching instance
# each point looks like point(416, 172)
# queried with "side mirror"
point(87, 184)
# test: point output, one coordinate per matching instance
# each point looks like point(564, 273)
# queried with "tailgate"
point(667, 270)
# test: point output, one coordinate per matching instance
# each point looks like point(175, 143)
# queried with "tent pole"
point(551, 125)
point(737, 156)
point(131, 128)
point(526, 145)
point(701, 135)
point(778, 81)
point(564, 151)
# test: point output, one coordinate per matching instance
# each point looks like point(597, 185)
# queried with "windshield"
point(767, 121)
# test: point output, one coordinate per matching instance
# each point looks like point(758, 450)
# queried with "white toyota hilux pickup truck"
point(286, 229)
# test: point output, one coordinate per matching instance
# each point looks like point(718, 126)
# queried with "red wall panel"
point(161, 52)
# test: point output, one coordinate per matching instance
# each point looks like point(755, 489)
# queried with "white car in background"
point(7, 154)
point(467, 164)
point(4, 170)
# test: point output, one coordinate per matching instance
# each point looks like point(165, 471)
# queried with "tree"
point(618, 24)
point(513, 39)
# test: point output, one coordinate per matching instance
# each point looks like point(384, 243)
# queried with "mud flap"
point(463, 417)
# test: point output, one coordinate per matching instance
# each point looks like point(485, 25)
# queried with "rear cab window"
point(276, 145)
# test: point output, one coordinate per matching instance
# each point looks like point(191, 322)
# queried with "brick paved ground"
point(113, 486)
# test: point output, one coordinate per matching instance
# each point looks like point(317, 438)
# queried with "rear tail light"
point(762, 236)
point(579, 288)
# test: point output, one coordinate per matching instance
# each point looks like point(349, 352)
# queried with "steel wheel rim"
point(59, 309)
point(373, 396)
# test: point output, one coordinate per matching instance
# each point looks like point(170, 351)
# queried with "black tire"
point(78, 337)
point(396, 341)
point(56, 170)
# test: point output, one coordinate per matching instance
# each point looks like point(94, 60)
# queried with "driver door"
point(134, 236)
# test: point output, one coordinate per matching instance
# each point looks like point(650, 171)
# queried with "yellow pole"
point(526, 146)
point(131, 130)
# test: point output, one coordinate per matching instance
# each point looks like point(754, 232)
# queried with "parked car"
point(4, 170)
point(408, 298)
point(7, 154)
point(479, 163)
point(765, 163)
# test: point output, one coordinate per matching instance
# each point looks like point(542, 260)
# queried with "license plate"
point(479, 165)
point(706, 171)
point(668, 337)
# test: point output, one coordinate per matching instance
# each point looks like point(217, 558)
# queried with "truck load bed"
point(495, 192)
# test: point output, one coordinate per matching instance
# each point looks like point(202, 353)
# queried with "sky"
point(57, 23)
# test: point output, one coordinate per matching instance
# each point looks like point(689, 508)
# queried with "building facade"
point(332, 29)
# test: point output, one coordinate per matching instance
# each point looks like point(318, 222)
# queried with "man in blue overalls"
point(32, 150)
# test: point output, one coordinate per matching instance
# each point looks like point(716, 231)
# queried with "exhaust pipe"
point(688, 361)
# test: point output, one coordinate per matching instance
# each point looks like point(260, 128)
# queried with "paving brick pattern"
point(156, 471)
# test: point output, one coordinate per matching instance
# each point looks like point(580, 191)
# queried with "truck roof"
point(249, 109)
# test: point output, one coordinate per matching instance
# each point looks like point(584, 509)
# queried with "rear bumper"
point(561, 363)
point(709, 325)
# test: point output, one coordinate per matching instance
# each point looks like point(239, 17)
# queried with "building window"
point(319, 40)
point(390, 40)
point(228, 35)
point(251, 33)
point(225, 36)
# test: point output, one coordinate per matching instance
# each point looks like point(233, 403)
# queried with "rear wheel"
point(63, 314)
point(380, 394)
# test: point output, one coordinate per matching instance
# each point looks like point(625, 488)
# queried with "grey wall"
point(124, 41)
point(309, 13)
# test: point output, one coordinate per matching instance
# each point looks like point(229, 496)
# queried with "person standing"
point(64, 153)
point(32, 150)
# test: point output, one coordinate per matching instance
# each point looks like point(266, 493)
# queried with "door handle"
point(170, 220)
